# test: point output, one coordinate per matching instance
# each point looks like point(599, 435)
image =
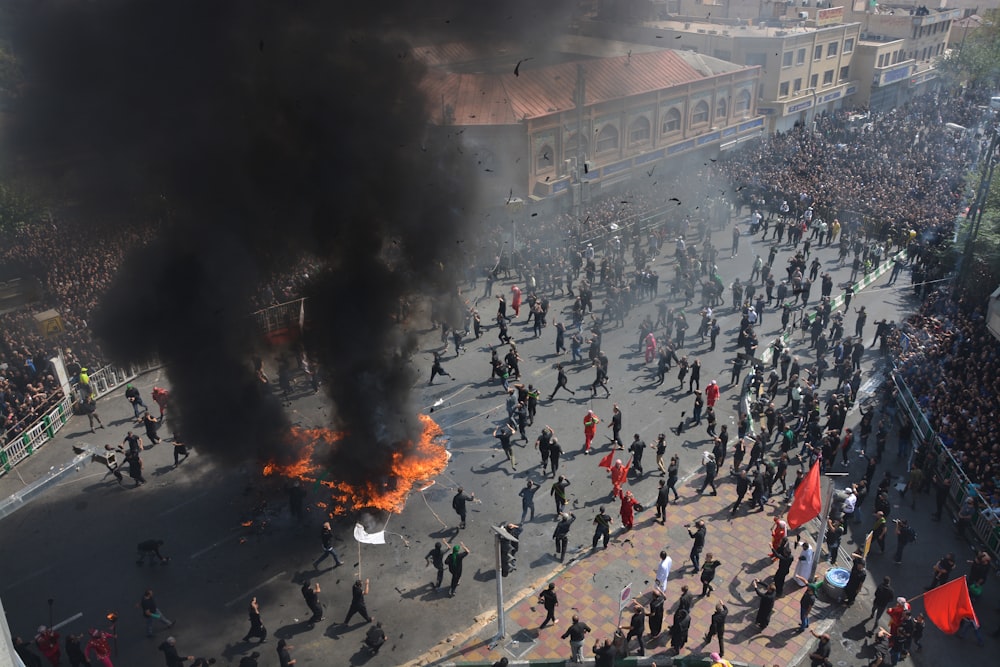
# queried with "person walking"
point(561, 533)
point(627, 510)
point(661, 449)
point(561, 382)
point(673, 471)
point(880, 601)
point(435, 557)
point(169, 648)
point(636, 627)
point(558, 493)
point(708, 570)
point(458, 503)
point(310, 593)
point(717, 627)
point(151, 611)
point(602, 527)
point(326, 538)
point(662, 500)
point(89, 407)
point(855, 580)
point(100, 646)
point(904, 536)
point(358, 593)
point(576, 633)
point(257, 628)
point(549, 600)
point(711, 469)
point(284, 650)
point(527, 495)
point(637, 447)
point(698, 545)
point(679, 629)
point(766, 595)
point(135, 399)
point(459, 552)
point(663, 571)
point(590, 422)
point(616, 426)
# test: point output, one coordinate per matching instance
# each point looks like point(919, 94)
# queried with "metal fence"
point(986, 526)
point(281, 316)
point(44, 429)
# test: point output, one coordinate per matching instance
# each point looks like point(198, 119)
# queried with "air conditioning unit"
point(803, 15)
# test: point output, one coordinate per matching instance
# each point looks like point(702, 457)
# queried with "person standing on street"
point(699, 543)
point(717, 627)
point(89, 407)
point(673, 471)
point(151, 612)
point(602, 527)
point(358, 592)
point(548, 599)
point(662, 500)
point(711, 469)
point(132, 394)
point(577, 633)
point(528, 500)
point(663, 571)
point(637, 447)
point(310, 593)
point(458, 504)
point(590, 422)
point(708, 575)
point(558, 492)
point(561, 534)
point(435, 557)
point(326, 538)
point(880, 601)
point(257, 628)
point(454, 563)
point(616, 427)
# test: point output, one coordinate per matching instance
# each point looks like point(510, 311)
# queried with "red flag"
point(606, 461)
point(948, 604)
point(808, 500)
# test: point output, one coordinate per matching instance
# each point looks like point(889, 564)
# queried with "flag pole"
point(359, 560)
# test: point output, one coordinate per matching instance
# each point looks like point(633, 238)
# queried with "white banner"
point(363, 536)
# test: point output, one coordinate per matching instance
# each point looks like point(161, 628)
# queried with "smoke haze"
point(261, 131)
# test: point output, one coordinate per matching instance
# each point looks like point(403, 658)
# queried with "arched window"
point(572, 149)
point(639, 131)
point(607, 138)
point(743, 101)
point(672, 121)
point(721, 108)
point(700, 113)
point(544, 159)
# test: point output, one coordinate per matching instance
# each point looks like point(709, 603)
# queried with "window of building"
point(700, 113)
point(797, 85)
point(800, 57)
point(828, 77)
point(786, 59)
point(639, 131)
point(743, 101)
point(607, 138)
point(849, 45)
point(814, 80)
point(881, 60)
point(818, 52)
point(671, 121)
point(844, 73)
point(783, 89)
point(544, 158)
point(831, 49)
point(721, 108)
point(572, 147)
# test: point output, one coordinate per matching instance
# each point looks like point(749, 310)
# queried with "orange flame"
point(411, 466)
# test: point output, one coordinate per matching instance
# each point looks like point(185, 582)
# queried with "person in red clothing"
point(712, 393)
point(47, 642)
point(515, 303)
point(161, 396)
point(100, 646)
point(778, 533)
point(619, 472)
point(629, 505)
point(650, 347)
point(898, 614)
point(590, 422)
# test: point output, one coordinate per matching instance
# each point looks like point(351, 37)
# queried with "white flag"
point(363, 536)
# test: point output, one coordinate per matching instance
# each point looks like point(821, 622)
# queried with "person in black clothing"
point(435, 557)
point(616, 426)
point(150, 549)
point(23, 650)
point(249, 660)
point(673, 470)
point(655, 615)
point(604, 654)
point(358, 592)
point(766, 595)
point(437, 369)
point(679, 629)
point(576, 633)
point(602, 528)
point(375, 637)
point(454, 563)
point(785, 559)
point(549, 600)
point(458, 504)
point(742, 486)
point(310, 593)
point(134, 443)
point(662, 500)
point(821, 656)
point(708, 575)
point(637, 626)
point(257, 628)
point(717, 627)
point(561, 534)
point(169, 648)
point(285, 658)
point(326, 537)
point(74, 652)
point(561, 382)
point(699, 543)
point(637, 447)
point(135, 468)
point(880, 602)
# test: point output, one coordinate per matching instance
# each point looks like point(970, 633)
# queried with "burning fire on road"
point(412, 465)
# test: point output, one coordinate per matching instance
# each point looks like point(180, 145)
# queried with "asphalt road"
point(76, 543)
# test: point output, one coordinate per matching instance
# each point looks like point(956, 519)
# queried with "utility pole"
point(979, 203)
point(500, 533)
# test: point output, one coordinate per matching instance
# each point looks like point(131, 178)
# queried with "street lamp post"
point(500, 533)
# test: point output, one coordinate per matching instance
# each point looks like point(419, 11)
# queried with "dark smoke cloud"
point(260, 130)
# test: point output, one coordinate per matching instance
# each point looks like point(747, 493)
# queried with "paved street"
point(76, 542)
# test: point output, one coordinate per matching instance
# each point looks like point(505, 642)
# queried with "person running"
point(326, 538)
point(257, 628)
point(561, 382)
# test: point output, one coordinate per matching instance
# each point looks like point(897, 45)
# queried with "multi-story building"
point(571, 123)
point(805, 63)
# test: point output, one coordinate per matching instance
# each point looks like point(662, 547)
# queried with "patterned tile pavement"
point(590, 584)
